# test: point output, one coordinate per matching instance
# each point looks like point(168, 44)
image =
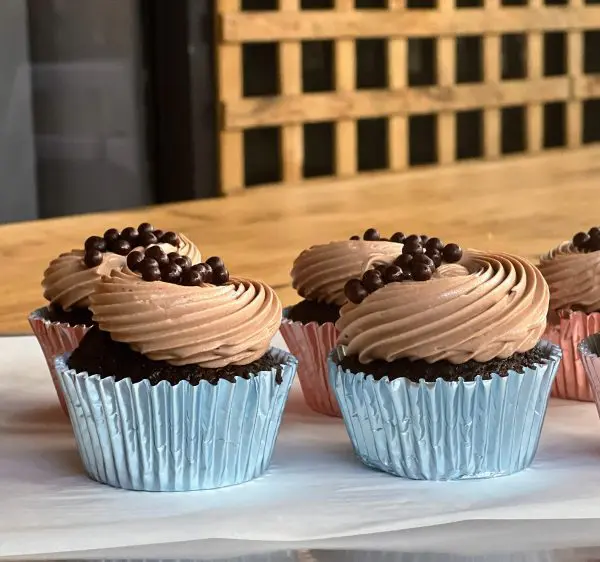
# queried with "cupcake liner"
point(445, 430)
point(589, 350)
point(176, 438)
point(55, 338)
point(569, 329)
point(311, 344)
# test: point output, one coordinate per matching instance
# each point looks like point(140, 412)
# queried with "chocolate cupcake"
point(71, 279)
point(308, 328)
point(440, 373)
point(177, 388)
point(572, 271)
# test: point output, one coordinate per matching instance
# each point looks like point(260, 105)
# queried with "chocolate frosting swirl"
point(573, 277)
point(212, 326)
point(492, 306)
point(321, 272)
point(69, 283)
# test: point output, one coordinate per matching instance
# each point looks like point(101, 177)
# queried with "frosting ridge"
point(489, 305)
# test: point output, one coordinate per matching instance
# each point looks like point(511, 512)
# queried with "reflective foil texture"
point(567, 331)
point(311, 344)
point(55, 338)
point(589, 350)
point(445, 430)
point(166, 438)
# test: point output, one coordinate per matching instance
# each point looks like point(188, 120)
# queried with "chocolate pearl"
point(593, 244)
point(381, 267)
point(424, 239)
point(93, 258)
point(393, 274)
point(134, 259)
point(158, 233)
point(436, 258)
point(452, 253)
point(434, 244)
point(95, 243)
point(412, 247)
point(424, 259)
point(371, 234)
point(412, 238)
point(421, 272)
point(183, 261)
point(398, 237)
point(111, 234)
point(354, 291)
point(150, 274)
point(581, 239)
point(355, 237)
point(215, 261)
point(156, 252)
point(404, 261)
point(147, 239)
point(594, 231)
point(130, 234)
point(205, 270)
point(145, 227)
point(407, 276)
point(121, 247)
point(148, 263)
point(172, 256)
point(171, 273)
point(372, 280)
point(192, 278)
point(220, 275)
point(170, 238)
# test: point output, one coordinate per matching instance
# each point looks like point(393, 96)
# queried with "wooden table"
point(524, 206)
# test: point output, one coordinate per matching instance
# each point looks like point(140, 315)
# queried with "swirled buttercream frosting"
point(211, 326)
point(320, 272)
point(69, 282)
point(573, 276)
point(490, 305)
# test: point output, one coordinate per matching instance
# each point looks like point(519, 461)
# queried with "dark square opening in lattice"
point(556, 2)
point(421, 4)
point(555, 53)
point(318, 66)
point(591, 52)
point(372, 144)
point(371, 63)
point(469, 134)
point(555, 124)
point(469, 59)
point(317, 4)
point(513, 129)
point(514, 3)
point(469, 3)
point(592, 1)
point(262, 161)
point(591, 120)
point(422, 61)
point(259, 5)
point(260, 69)
point(422, 139)
point(319, 149)
point(370, 4)
point(513, 56)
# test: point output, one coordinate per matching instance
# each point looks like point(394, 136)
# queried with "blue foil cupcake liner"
point(445, 430)
point(166, 438)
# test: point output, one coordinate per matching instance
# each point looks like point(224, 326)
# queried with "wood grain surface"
point(524, 206)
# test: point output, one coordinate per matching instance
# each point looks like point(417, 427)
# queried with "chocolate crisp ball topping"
point(420, 257)
point(123, 242)
point(588, 241)
point(373, 235)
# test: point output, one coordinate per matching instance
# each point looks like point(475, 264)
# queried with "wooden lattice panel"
point(365, 85)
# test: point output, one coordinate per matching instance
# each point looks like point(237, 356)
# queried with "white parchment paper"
point(314, 490)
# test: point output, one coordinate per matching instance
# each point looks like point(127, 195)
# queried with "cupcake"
point(71, 279)
point(572, 271)
point(176, 388)
point(440, 373)
point(308, 328)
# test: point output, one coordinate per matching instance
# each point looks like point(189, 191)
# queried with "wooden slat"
point(586, 86)
point(575, 71)
point(446, 121)
point(535, 62)
point(397, 76)
point(491, 76)
point(319, 24)
point(379, 103)
point(230, 90)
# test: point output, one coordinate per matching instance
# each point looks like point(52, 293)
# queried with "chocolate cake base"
point(73, 317)
point(98, 354)
point(417, 370)
point(312, 311)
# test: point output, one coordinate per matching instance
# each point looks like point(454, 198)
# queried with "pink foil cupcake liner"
point(311, 344)
point(589, 350)
point(568, 331)
point(55, 338)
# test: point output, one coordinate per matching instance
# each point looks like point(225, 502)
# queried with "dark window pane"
point(555, 121)
point(319, 143)
point(469, 134)
point(262, 163)
point(261, 72)
point(591, 120)
point(372, 144)
point(371, 63)
point(422, 64)
point(514, 56)
point(422, 139)
point(591, 57)
point(555, 53)
point(513, 129)
point(317, 66)
point(469, 59)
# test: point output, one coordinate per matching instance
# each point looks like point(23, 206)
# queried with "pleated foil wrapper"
point(589, 350)
point(55, 338)
point(567, 331)
point(166, 438)
point(445, 430)
point(311, 344)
